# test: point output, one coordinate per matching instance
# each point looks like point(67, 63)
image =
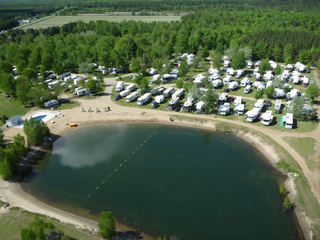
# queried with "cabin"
point(16, 120)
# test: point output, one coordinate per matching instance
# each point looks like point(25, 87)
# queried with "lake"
point(173, 181)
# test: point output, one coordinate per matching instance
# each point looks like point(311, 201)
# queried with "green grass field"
point(61, 20)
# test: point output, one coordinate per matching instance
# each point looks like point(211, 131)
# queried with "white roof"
point(199, 105)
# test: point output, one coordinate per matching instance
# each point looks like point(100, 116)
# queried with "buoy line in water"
point(113, 172)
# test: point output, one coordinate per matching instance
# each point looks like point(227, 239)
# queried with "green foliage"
point(287, 204)
point(5, 67)
point(30, 73)
point(194, 91)
point(297, 106)
point(187, 85)
point(85, 67)
point(283, 190)
point(183, 68)
point(142, 82)
point(269, 91)
point(8, 84)
point(239, 60)
point(258, 94)
point(264, 66)
point(35, 131)
point(1, 137)
point(134, 65)
point(107, 226)
point(91, 85)
point(210, 99)
point(277, 70)
point(217, 60)
point(313, 91)
point(179, 83)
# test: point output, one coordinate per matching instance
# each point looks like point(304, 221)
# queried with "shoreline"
point(28, 202)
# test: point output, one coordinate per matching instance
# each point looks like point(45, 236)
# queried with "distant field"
point(61, 20)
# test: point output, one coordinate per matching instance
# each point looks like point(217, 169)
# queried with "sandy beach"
point(12, 193)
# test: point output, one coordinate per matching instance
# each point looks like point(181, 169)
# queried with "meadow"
point(61, 20)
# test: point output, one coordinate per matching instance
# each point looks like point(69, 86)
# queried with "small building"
point(16, 120)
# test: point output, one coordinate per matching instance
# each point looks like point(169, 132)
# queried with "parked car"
point(64, 100)
point(268, 103)
point(248, 75)
point(155, 104)
point(177, 109)
point(117, 97)
point(226, 90)
point(220, 73)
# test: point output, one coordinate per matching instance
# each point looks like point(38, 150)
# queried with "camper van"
point(168, 92)
point(247, 89)
point(133, 96)
point(124, 93)
point(277, 106)
point(51, 103)
point(173, 103)
point(119, 86)
point(224, 109)
point(83, 92)
point(143, 99)
point(289, 121)
point(187, 106)
point(267, 118)
point(253, 114)
point(216, 83)
point(131, 87)
point(223, 98)
point(178, 93)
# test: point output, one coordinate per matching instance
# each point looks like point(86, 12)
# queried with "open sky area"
point(61, 20)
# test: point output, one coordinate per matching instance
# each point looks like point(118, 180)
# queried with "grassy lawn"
point(14, 220)
point(61, 20)
point(11, 107)
point(305, 147)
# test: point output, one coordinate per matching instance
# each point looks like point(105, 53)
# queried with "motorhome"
point(259, 104)
point(213, 77)
point(295, 79)
point(224, 109)
point(119, 86)
point(253, 114)
point(216, 83)
point(131, 87)
point(226, 80)
point(279, 93)
point(237, 101)
point(51, 103)
point(83, 92)
point(173, 103)
point(187, 106)
point(247, 89)
point(178, 93)
point(200, 106)
point(267, 118)
point(244, 82)
point(143, 99)
point(305, 81)
point(233, 85)
point(168, 92)
point(159, 99)
point(239, 73)
point(289, 121)
point(239, 109)
point(223, 98)
point(132, 96)
point(249, 64)
point(124, 93)
point(226, 63)
point(277, 106)
point(230, 71)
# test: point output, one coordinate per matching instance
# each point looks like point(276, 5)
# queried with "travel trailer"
point(143, 99)
point(168, 92)
point(159, 99)
point(249, 64)
point(131, 87)
point(226, 80)
point(244, 82)
point(187, 106)
point(178, 93)
point(230, 71)
point(239, 109)
point(173, 103)
point(279, 93)
point(267, 118)
point(200, 106)
point(239, 73)
point(51, 103)
point(83, 92)
point(223, 98)
point(226, 63)
point(305, 81)
point(131, 97)
point(237, 101)
point(216, 83)
point(233, 85)
point(247, 89)
point(124, 93)
point(277, 106)
point(119, 86)
point(253, 114)
point(259, 104)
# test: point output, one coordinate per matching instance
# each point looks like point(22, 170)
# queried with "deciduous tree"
point(107, 226)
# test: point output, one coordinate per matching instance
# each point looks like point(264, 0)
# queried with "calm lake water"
point(188, 183)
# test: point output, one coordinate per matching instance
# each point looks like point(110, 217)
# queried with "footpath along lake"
point(188, 183)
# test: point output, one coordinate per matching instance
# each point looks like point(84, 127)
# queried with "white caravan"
point(233, 85)
point(244, 82)
point(178, 93)
point(187, 105)
point(259, 104)
point(226, 63)
point(124, 93)
point(289, 121)
point(267, 118)
point(249, 64)
point(131, 87)
point(83, 92)
point(253, 114)
point(143, 99)
point(247, 89)
point(133, 96)
point(119, 86)
point(279, 93)
point(237, 101)
point(240, 109)
point(168, 92)
point(216, 83)
point(51, 103)
point(239, 73)
point(305, 80)
point(269, 84)
point(295, 79)
point(199, 106)
point(226, 80)
point(230, 71)
point(224, 109)
point(223, 97)
point(173, 103)
point(293, 93)
point(213, 77)
point(277, 106)
point(159, 99)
